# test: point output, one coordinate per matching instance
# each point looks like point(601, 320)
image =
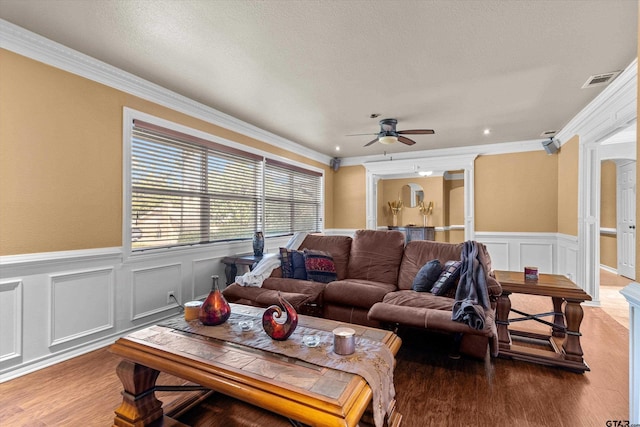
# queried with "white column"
point(632, 293)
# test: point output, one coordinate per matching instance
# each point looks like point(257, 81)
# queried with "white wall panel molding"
point(21, 265)
point(553, 253)
point(81, 304)
point(11, 312)
point(31, 45)
point(150, 288)
point(201, 282)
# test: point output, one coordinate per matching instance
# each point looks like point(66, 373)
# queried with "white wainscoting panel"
point(81, 304)
point(499, 252)
point(201, 282)
point(10, 320)
point(568, 255)
point(151, 287)
point(552, 253)
point(541, 255)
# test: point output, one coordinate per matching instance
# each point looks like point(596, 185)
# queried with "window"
point(186, 190)
point(292, 199)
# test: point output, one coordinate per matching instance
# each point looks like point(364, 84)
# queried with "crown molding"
point(613, 109)
point(23, 42)
point(470, 150)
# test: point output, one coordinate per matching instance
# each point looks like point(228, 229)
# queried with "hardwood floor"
point(432, 389)
point(611, 300)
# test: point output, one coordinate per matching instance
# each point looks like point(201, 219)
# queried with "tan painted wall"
point(568, 187)
point(608, 219)
point(61, 158)
point(516, 192)
point(349, 197)
point(454, 194)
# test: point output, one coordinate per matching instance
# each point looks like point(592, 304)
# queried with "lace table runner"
point(372, 359)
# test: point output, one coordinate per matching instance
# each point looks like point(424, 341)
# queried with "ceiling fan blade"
point(406, 140)
point(361, 134)
point(369, 143)
point(417, 132)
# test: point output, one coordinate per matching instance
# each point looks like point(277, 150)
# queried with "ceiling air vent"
point(548, 133)
point(600, 79)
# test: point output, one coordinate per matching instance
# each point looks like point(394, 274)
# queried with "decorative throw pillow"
point(448, 278)
point(427, 276)
point(293, 264)
point(320, 266)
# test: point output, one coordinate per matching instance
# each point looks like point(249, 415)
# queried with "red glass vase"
point(215, 310)
point(280, 330)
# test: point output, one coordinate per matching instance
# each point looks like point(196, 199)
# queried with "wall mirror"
point(412, 195)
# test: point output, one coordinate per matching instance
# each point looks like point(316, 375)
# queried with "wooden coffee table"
point(300, 391)
point(565, 325)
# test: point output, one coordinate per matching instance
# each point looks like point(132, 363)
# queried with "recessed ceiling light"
point(487, 131)
point(425, 173)
point(337, 148)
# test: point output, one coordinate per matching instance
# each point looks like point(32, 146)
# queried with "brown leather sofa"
point(375, 272)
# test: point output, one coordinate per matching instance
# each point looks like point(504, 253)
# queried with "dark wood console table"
point(232, 263)
point(416, 233)
point(561, 290)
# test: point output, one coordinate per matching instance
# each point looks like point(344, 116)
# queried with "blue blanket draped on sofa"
point(472, 295)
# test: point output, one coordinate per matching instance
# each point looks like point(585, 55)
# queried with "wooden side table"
point(561, 290)
point(232, 263)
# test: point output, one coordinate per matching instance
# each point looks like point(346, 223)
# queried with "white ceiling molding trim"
point(443, 163)
point(472, 150)
point(34, 46)
point(620, 97)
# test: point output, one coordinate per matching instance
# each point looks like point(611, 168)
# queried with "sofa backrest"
point(376, 255)
point(419, 252)
point(338, 246)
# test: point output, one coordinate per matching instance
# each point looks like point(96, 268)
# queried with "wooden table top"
point(552, 285)
point(307, 393)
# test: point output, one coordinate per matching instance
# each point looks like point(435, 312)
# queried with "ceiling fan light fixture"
point(388, 139)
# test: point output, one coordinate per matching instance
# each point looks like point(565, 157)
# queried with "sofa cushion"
point(448, 278)
point(319, 266)
point(338, 246)
point(376, 255)
point(418, 252)
point(427, 276)
point(292, 263)
point(419, 300)
point(355, 292)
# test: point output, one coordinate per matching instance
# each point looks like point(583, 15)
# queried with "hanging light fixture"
point(388, 139)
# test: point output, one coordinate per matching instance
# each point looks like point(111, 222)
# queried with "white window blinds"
point(186, 190)
point(292, 199)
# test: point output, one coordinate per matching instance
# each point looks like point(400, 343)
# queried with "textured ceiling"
point(314, 71)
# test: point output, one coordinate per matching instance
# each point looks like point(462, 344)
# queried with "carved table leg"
point(571, 345)
point(139, 405)
point(558, 317)
point(503, 309)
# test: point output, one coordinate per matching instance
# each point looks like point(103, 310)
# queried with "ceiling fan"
point(389, 135)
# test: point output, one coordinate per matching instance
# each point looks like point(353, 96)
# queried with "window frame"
point(129, 115)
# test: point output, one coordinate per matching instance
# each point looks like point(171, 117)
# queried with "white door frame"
point(612, 110)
